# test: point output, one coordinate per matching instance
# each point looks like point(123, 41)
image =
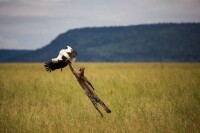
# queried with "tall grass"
point(143, 97)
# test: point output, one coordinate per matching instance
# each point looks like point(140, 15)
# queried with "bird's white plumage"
point(62, 53)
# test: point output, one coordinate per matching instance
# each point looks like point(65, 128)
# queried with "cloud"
point(32, 7)
point(8, 43)
point(34, 23)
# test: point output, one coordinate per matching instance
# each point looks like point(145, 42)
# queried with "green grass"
point(143, 97)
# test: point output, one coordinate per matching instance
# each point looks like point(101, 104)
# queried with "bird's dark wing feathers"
point(50, 66)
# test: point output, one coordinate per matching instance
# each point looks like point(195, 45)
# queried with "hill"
point(153, 42)
point(7, 54)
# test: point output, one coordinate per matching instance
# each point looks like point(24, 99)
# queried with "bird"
point(62, 60)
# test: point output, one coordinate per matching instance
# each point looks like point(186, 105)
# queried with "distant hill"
point(7, 54)
point(139, 43)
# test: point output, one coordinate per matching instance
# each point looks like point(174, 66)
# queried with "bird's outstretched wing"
point(50, 66)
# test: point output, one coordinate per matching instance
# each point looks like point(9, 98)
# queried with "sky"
point(32, 24)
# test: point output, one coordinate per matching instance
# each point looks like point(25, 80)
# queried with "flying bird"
point(65, 56)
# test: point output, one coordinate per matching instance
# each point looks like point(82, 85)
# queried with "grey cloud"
point(34, 23)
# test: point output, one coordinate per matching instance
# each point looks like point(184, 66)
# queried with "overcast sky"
point(31, 24)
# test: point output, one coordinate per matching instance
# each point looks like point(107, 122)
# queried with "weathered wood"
point(88, 88)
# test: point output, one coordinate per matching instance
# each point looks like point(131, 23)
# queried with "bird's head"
point(69, 48)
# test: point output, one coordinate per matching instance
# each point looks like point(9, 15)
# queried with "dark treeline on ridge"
point(140, 43)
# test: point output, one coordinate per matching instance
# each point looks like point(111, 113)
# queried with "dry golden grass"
point(143, 97)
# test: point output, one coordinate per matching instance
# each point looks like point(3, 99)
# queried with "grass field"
point(143, 97)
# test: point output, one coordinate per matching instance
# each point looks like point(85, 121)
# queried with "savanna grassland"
point(143, 97)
